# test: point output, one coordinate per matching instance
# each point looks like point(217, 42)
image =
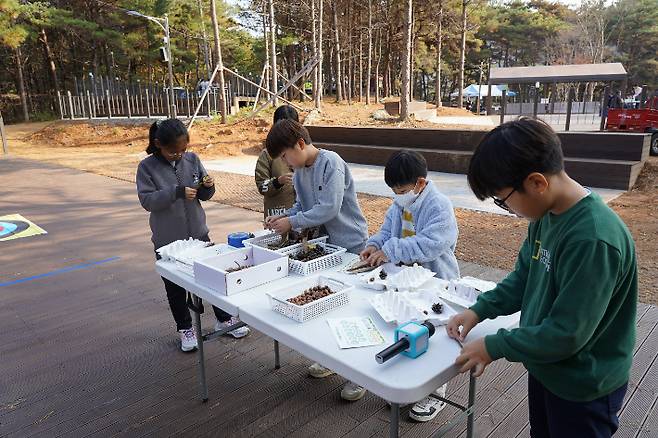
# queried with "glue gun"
point(411, 340)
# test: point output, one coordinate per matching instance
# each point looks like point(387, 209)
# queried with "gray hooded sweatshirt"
point(161, 190)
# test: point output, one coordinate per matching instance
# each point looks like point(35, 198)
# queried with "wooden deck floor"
point(93, 351)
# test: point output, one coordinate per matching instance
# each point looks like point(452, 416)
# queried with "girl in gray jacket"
point(170, 184)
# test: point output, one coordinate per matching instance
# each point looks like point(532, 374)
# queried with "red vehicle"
point(636, 120)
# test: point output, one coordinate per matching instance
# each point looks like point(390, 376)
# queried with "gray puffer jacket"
point(161, 191)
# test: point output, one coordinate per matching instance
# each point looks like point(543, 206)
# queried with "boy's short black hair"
point(284, 135)
point(404, 167)
point(510, 152)
point(285, 112)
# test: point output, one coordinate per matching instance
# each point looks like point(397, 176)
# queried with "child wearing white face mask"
point(420, 227)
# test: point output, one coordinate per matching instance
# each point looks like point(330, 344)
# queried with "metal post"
point(604, 114)
point(277, 363)
point(141, 99)
point(535, 103)
point(393, 428)
point(569, 106)
point(187, 97)
point(109, 108)
point(470, 420)
point(68, 94)
point(128, 104)
point(81, 101)
point(503, 106)
point(59, 105)
point(89, 104)
point(5, 150)
point(199, 339)
point(148, 104)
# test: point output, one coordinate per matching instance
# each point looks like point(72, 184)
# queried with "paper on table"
point(355, 332)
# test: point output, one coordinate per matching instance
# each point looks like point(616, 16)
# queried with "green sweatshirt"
point(575, 283)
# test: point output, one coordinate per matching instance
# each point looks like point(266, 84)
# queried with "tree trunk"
point(439, 49)
point(21, 84)
point(51, 59)
point(406, 55)
point(206, 58)
point(379, 60)
point(369, 74)
point(273, 69)
point(266, 82)
point(462, 56)
point(316, 70)
point(339, 76)
point(318, 98)
point(360, 61)
point(219, 63)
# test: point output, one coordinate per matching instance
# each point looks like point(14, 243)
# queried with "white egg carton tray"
point(401, 307)
point(465, 291)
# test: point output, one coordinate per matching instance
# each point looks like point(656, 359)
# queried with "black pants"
point(177, 297)
point(555, 417)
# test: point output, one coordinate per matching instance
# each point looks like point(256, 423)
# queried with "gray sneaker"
point(352, 392)
point(318, 371)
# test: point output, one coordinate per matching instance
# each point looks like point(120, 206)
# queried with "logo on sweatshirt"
point(543, 255)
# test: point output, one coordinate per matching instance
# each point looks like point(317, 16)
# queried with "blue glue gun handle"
point(392, 351)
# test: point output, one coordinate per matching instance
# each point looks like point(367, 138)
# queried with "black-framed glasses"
point(502, 203)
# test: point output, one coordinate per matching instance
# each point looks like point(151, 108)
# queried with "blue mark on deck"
point(59, 271)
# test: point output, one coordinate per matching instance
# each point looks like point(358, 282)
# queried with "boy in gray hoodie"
point(170, 184)
point(325, 190)
point(325, 197)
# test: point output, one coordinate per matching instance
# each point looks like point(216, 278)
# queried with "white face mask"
point(406, 199)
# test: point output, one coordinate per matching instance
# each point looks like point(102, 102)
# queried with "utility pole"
point(164, 24)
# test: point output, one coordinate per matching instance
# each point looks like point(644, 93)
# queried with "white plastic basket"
point(314, 309)
point(332, 258)
point(275, 238)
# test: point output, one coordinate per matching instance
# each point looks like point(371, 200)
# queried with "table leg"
point(395, 420)
point(277, 364)
point(202, 363)
point(471, 405)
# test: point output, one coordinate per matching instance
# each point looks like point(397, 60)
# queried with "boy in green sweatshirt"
point(575, 283)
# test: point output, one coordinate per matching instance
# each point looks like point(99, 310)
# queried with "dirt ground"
point(487, 239)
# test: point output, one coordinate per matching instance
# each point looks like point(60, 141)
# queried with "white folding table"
point(399, 381)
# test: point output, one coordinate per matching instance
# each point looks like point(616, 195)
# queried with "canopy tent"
point(472, 91)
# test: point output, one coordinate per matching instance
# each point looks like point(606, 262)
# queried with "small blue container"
point(235, 239)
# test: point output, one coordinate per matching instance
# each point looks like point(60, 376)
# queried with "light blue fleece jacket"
point(325, 195)
point(433, 246)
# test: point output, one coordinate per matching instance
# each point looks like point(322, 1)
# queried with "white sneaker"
point(188, 340)
point(318, 371)
point(352, 392)
point(239, 332)
point(429, 407)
